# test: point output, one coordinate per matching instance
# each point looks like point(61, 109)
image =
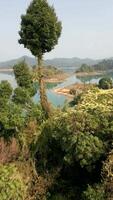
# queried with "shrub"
point(106, 83)
point(11, 183)
point(94, 193)
point(12, 120)
point(23, 75)
point(70, 137)
point(21, 96)
point(5, 90)
point(88, 149)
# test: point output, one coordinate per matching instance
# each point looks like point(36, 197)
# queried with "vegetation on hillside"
point(61, 157)
point(106, 83)
point(12, 185)
point(50, 73)
point(65, 155)
point(85, 68)
point(104, 65)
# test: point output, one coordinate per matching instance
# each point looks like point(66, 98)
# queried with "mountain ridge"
point(66, 64)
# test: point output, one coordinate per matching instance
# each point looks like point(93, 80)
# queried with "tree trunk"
point(43, 97)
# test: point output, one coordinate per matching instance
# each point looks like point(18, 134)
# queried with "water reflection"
point(56, 99)
point(95, 78)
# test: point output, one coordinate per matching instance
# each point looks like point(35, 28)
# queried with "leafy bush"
point(11, 183)
point(5, 90)
point(85, 68)
point(105, 83)
point(88, 149)
point(35, 112)
point(23, 75)
point(71, 137)
point(76, 142)
point(94, 193)
point(21, 96)
point(97, 100)
point(75, 100)
point(12, 119)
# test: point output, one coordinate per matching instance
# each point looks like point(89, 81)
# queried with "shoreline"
point(53, 80)
point(77, 87)
point(5, 70)
point(59, 78)
point(83, 74)
point(63, 91)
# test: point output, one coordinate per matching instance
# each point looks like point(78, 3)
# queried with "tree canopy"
point(5, 90)
point(106, 83)
point(40, 28)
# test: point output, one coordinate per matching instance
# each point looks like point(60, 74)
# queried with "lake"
point(56, 99)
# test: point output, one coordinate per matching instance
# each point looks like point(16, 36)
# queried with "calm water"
point(56, 99)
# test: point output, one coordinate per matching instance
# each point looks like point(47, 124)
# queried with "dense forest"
point(47, 152)
point(104, 65)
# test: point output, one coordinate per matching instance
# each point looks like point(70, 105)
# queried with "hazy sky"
point(87, 28)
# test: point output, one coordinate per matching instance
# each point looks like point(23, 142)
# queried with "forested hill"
point(66, 64)
point(70, 64)
point(104, 65)
point(9, 64)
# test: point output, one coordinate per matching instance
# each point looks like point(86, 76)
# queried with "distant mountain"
point(70, 64)
point(75, 62)
point(66, 64)
point(104, 65)
point(9, 64)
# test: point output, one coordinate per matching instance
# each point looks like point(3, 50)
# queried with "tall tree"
point(40, 30)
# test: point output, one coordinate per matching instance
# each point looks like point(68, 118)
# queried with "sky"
point(87, 29)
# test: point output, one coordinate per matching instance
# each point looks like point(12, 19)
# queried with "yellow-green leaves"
point(12, 186)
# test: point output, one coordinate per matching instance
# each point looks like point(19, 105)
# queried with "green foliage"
point(88, 149)
point(80, 138)
point(15, 110)
point(106, 83)
point(50, 71)
point(70, 146)
point(76, 99)
point(85, 68)
point(3, 103)
point(32, 90)
point(24, 80)
point(36, 113)
point(71, 138)
point(94, 193)
point(12, 119)
point(5, 90)
point(23, 75)
point(96, 99)
point(21, 96)
point(40, 28)
point(48, 143)
point(11, 183)
point(104, 65)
